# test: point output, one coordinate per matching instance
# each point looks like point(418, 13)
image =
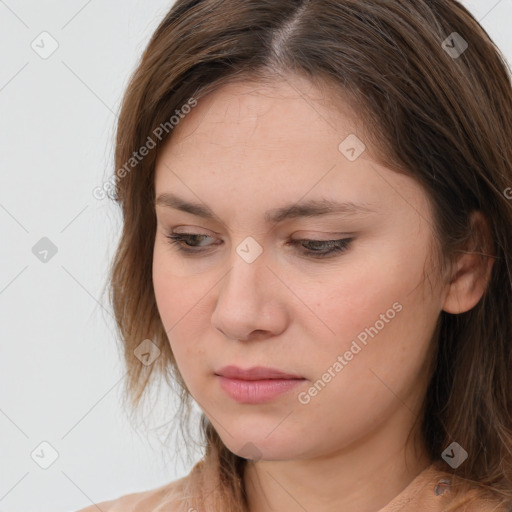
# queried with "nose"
point(251, 301)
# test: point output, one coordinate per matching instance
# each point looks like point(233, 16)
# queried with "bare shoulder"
point(168, 497)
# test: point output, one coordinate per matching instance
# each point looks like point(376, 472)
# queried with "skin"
point(250, 147)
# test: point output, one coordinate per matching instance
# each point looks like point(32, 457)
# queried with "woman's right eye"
point(178, 239)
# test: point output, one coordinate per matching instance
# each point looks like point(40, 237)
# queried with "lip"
point(254, 373)
point(255, 385)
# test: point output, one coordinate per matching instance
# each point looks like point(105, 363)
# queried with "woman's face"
point(354, 324)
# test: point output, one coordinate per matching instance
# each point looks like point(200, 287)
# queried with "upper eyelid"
point(169, 230)
point(164, 223)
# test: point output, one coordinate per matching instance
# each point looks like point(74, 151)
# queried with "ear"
point(472, 270)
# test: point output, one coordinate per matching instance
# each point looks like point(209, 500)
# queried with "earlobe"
point(472, 270)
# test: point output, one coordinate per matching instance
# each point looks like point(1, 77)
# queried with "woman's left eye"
point(318, 248)
point(327, 247)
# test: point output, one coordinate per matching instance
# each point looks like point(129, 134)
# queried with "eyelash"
point(336, 246)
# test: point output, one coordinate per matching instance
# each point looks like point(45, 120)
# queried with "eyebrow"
point(311, 208)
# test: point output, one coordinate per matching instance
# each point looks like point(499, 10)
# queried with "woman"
point(317, 247)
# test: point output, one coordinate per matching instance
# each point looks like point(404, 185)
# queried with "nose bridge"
point(247, 272)
point(245, 292)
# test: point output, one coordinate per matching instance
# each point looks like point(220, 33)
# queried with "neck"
point(363, 477)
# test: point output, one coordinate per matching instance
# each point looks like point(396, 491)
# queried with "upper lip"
point(254, 373)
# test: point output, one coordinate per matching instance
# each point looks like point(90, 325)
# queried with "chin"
point(256, 446)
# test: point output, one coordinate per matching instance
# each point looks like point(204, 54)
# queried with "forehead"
point(248, 143)
point(287, 112)
point(258, 136)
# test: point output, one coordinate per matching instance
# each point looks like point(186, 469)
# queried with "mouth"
point(254, 373)
point(256, 385)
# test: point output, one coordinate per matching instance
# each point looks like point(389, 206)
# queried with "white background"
point(60, 369)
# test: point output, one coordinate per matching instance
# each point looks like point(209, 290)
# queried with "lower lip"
point(256, 391)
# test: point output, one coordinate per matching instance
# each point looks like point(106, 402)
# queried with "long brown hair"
point(437, 110)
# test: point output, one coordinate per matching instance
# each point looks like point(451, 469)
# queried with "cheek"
point(383, 324)
point(175, 293)
point(182, 305)
point(343, 304)
point(382, 304)
point(385, 287)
